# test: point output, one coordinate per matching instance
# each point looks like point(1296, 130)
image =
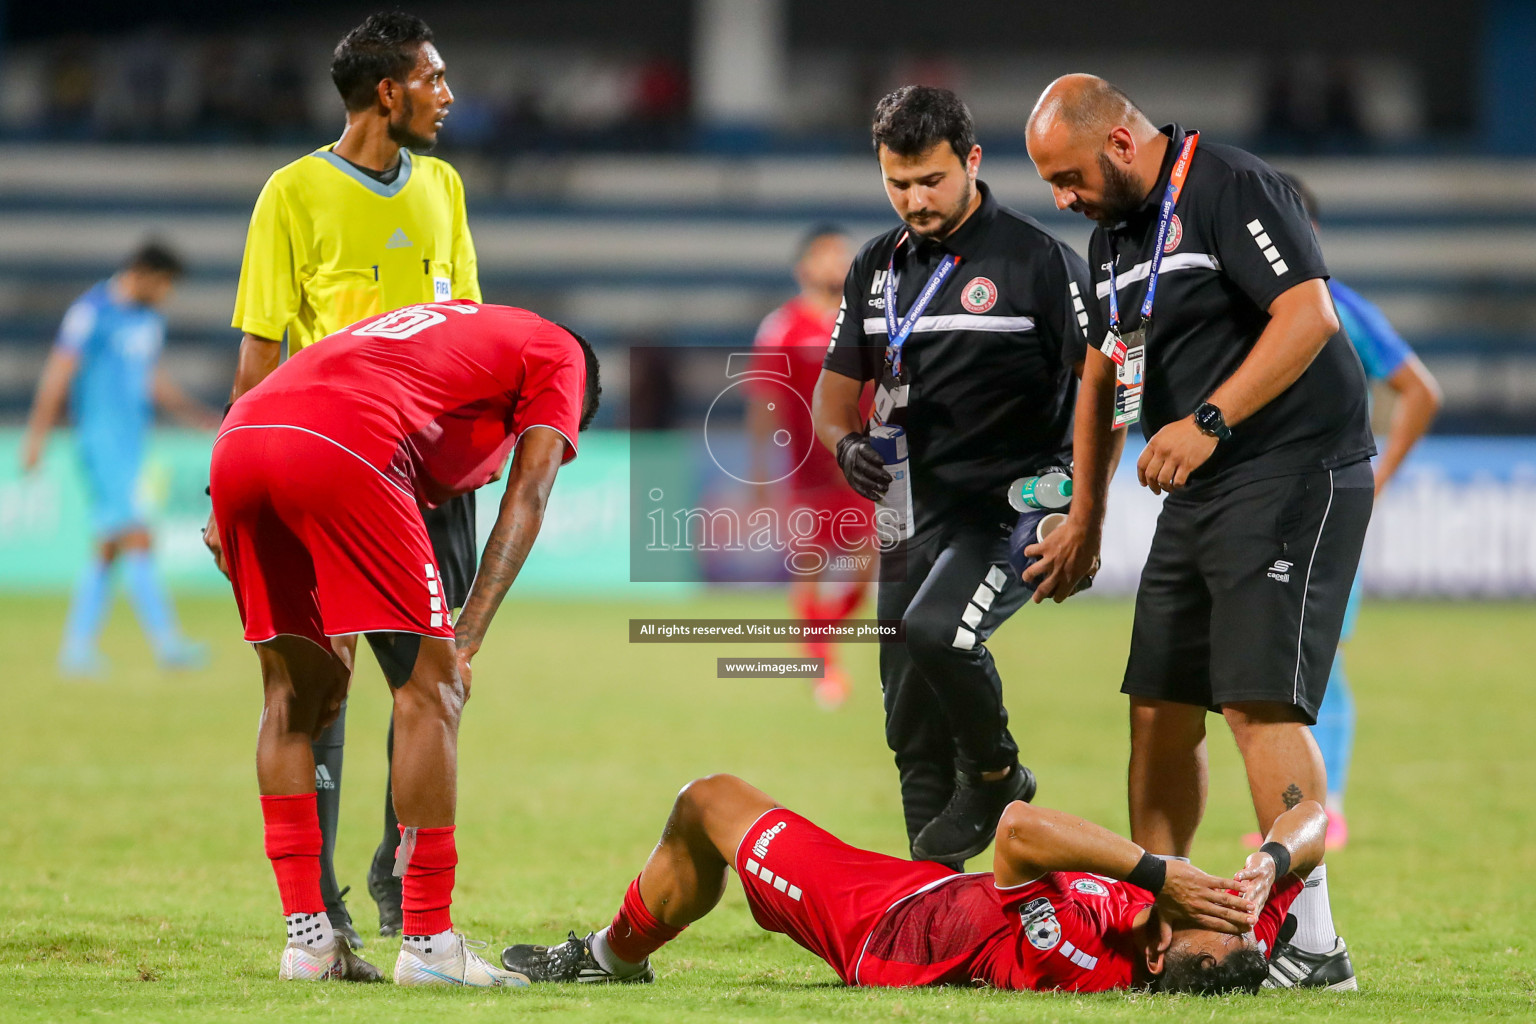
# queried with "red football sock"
point(427, 892)
point(293, 847)
point(635, 933)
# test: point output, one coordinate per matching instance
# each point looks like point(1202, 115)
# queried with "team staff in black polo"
point(988, 379)
point(1254, 409)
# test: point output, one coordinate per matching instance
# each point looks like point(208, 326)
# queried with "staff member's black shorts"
point(1243, 595)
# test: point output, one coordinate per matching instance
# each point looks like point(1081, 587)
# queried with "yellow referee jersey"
point(328, 246)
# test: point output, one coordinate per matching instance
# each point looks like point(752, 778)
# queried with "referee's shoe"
point(966, 825)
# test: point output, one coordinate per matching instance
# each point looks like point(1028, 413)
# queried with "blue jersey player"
point(104, 363)
point(1386, 357)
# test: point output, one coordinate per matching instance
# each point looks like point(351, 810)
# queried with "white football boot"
point(336, 962)
point(455, 965)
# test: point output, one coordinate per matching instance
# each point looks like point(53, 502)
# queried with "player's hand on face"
point(1174, 452)
point(1257, 879)
point(1068, 555)
point(214, 545)
point(1204, 901)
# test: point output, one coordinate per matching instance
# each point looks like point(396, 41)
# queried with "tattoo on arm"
point(1292, 796)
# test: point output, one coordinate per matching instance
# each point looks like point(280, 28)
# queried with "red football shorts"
point(319, 542)
point(805, 882)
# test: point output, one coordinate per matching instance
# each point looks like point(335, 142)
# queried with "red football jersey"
point(434, 396)
point(801, 333)
point(1067, 930)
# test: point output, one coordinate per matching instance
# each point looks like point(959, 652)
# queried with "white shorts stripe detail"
point(437, 620)
point(753, 866)
point(1255, 228)
point(780, 884)
point(766, 876)
point(794, 892)
point(964, 639)
point(996, 578)
point(984, 596)
point(1305, 590)
point(972, 616)
point(1280, 267)
point(315, 433)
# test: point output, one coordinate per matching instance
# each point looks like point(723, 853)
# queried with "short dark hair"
point(1308, 197)
point(155, 257)
point(589, 401)
point(914, 118)
point(383, 46)
point(1201, 974)
point(816, 232)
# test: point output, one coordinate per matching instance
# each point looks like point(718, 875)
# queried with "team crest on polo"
point(1089, 887)
point(1041, 928)
point(979, 296)
point(1175, 235)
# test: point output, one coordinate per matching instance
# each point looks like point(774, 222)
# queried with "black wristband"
point(1149, 873)
point(1281, 856)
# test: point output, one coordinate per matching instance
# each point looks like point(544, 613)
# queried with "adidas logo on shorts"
point(1281, 571)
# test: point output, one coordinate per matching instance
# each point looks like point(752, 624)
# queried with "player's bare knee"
point(695, 799)
point(1018, 823)
point(440, 699)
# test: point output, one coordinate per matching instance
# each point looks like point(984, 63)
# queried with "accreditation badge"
point(1129, 353)
point(889, 397)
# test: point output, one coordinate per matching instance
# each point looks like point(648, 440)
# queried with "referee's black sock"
point(383, 870)
point(328, 754)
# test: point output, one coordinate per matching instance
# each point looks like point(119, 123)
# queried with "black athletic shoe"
point(1290, 967)
point(966, 825)
point(385, 889)
point(572, 960)
point(341, 920)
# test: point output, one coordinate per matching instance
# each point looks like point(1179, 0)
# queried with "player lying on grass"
point(1068, 905)
point(318, 476)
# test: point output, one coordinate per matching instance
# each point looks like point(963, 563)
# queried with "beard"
point(400, 133)
point(1122, 193)
point(952, 219)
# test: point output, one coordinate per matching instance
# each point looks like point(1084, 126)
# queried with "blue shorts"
point(111, 487)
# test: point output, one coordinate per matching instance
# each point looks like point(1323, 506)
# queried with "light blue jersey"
point(1382, 350)
point(117, 344)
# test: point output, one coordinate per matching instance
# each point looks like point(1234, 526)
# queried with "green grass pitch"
point(133, 885)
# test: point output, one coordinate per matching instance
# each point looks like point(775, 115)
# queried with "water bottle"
point(1051, 490)
point(896, 521)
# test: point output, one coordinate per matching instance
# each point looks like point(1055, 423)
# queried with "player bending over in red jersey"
point(318, 476)
point(1059, 910)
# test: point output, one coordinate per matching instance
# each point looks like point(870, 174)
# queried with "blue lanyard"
point(898, 333)
point(1164, 219)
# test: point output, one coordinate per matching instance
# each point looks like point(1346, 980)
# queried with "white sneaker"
point(336, 962)
point(456, 965)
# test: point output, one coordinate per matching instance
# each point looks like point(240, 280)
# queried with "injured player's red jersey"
point(434, 396)
point(1067, 930)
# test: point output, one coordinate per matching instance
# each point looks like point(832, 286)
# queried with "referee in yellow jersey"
point(357, 228)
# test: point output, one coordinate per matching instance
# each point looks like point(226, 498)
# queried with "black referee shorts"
point(451, 528)
point(1243, 595)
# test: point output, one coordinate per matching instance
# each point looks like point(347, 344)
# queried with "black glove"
point(863, 466)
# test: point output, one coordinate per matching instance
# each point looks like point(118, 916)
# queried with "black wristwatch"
point(1211, 422)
